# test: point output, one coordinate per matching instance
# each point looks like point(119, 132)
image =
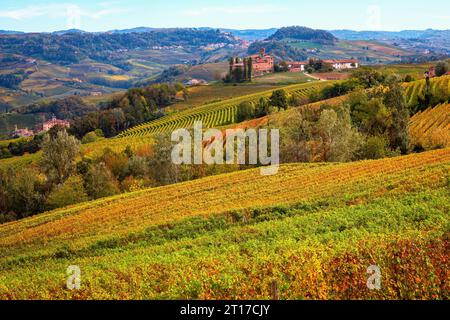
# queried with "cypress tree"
point(250, 69)
point(244, 62)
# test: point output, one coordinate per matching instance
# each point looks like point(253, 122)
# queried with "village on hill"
point(46, 126)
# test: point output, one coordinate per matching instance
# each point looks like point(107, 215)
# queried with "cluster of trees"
point(66, 108)
point(240, 70)
point(442, 67)
point(363, 78)
point(12, 80)
point(369, 125)
point(21, 146)
point(60, 180)
point(317, 65)
point(303, 34)
point(136, 106)
point(278, 49)
point(265, 106)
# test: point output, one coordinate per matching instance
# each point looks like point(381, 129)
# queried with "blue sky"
point(89, 15)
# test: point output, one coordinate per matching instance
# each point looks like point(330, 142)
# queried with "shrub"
point(89, 138)
point(246, 110)
point(71, 192)
point(100, 182)
point(375, 147)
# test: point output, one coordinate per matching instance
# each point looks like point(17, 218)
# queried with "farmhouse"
point(195, 82)
point(54, 122)
point(296, 66)
point(336, 64)
point(343, 64)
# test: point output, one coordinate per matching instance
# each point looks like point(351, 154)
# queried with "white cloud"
point(237, 10)
point(59, 10)
point(374, 16)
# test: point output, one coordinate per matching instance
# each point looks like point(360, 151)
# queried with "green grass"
point(283, 78)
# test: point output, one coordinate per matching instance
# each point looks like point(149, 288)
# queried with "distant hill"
point(278, 49)
point(62, 32)
point(137, 30)
point(251, 34)
point(303, 33)
point(386, 35)
point(10, 32)
point(72, 46)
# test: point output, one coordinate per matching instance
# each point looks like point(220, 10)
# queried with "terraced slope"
point(229, 236)
point(213, 114)
point(431, 128)
point(416, 88)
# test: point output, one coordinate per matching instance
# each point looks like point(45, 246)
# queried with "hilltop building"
point(22, 133)
point(54, 122)
point(261, 63)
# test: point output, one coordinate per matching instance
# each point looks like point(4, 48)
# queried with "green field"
point(283, 78)
point(367, 52)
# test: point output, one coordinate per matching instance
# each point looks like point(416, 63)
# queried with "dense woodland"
point(305, 34)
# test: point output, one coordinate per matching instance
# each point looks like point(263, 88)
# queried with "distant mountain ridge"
point(275, 33)
point(10, 32)
point(389, 35)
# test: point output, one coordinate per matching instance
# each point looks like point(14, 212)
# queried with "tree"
point(100, 182)
point(281, 67)
point(399, 134)
point(246, 110)
point(442, 68)
point(368, 78)
point(231, 64)
point(279, 99)
point(238, 75)
point(262, 108)
point(338, 140)
point(375, 147)
point(244, 62)
point(19, 193)
point(70, 192)
point(58, 156)
point(162, 169)
point(250, 69)
point(137, 167)
point(89, 137)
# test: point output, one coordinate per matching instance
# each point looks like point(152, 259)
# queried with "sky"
point(94, 16)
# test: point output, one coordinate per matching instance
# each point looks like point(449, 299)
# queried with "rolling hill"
point(236, 235)
point(214, 114)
